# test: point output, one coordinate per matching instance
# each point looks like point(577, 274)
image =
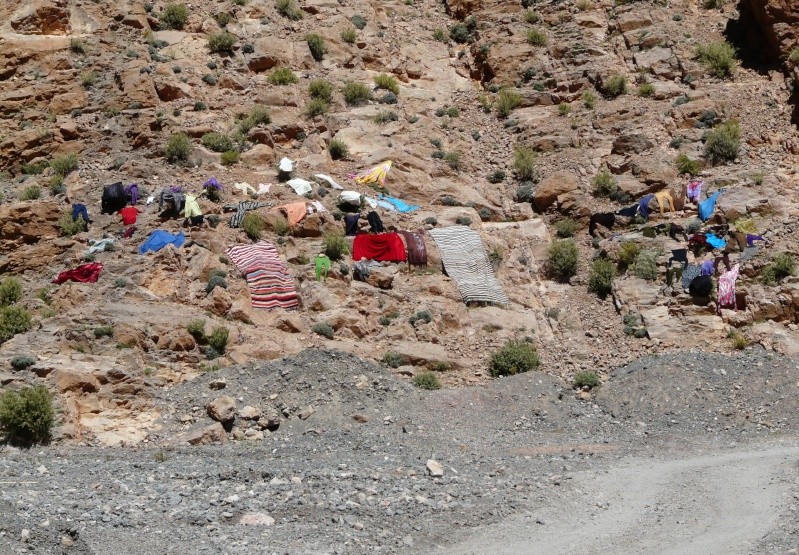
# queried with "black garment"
point(675, 229)
point(628, 212)
point(375, 223)
point(351, 224)
point(701, 286)
point(679, 255)
point(605, 219)
point(114, 198)
point(194, 220)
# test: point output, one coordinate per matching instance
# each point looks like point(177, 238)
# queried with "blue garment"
point(643, 205)
point(708, 206)
point(706, 269)
point(714, 241)
point(79, 211)
point(401, 205)
point(159, 238)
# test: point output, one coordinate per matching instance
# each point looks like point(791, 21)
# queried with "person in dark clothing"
point(375, 223)
point(351, 224)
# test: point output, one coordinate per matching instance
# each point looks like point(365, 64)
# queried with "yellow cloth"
point(376, 174)
point(192, 208)
point(662, 197)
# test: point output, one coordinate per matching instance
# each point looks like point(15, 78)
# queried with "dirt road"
point(724, 502)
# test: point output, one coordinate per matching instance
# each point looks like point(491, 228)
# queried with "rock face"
point(554, 186)
point(775, 22)
point(46, 18)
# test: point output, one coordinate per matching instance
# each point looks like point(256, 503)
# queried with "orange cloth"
point(295, 212)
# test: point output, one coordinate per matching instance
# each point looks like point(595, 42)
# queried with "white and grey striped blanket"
point(466, 262)
point(241, 209)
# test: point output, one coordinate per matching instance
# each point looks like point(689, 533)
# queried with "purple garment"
point(643, 205)
point(706, 269)
point(132, 191)
point(750, 239)
point(176, 189)
point(213, 183)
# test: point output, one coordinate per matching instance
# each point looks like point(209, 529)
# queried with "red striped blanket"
point(271, 286)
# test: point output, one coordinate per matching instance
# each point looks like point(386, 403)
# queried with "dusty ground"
point(524, 460)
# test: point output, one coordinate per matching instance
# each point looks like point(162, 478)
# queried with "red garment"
point(129, 214)
point(383, 247)
point(87, 273)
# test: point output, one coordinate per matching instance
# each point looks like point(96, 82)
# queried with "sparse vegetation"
point(31, 192)
point(717, 57)
point(600, 280)
point(453, 160)
point(356, 94)
point(645, 265)
point(229, 157)
point(288, 9)
point(646, 89)
point(217, 342)
point(338, 149)
point(358, 21)
point(10, 291)
point(323, 329)
point(196, 329)
point(13, 320)
point(64, 165)
point(566, 228)
point(793, 57)
point(507, 101)
point(385, 116)
point(614, 86)
point(89, 78)
point(393, 360)
point(280, 226)
point(178, 148)
point(422, 316)
point(463, 220)
point(587, 379)
point(316, 107)
point(537, 37)
point(524, 159)
point(514, 358)
point(440, 35)
point(77, 46)
point(387, 82)
point(21, 362)
point(497, 176)
point(604, 184)
point(253, 225)
point(426, 380)
point(686, 165)
point(221, 43)
point(349, 35)
point(258, 115)
point(460, 33)
point(335, 246)
point(531, 17)
point(781, 266)
point(70, 227)
point(723, 142)
point(320, 89)
point(738, 340)
point(564, 109)
point(104, 331)
point(26, 416)
point(316, 44)
point(627, 255)
point(217, 142)
point(282, 76)
point(562, 257)
point(174, 16)
point(214, 281)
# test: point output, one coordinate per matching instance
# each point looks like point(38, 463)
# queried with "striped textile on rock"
point(241, 210)
point(271, 286)
point(466, 262)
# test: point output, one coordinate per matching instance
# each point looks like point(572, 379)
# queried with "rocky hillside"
point(611, 102)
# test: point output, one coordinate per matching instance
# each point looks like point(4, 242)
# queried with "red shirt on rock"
point(129, 214)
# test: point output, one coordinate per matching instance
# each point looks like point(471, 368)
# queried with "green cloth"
point(322, 267)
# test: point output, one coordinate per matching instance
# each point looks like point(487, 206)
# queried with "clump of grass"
point(104, 331)
point(70, 227)
point(316, 107)
point(10, 291)
point(514, 358)
point(13, 320)
point(196, 329)
point(426, 380)
point(566, 228)
point(422, 316)
point(320, 89)
point(393, 360)
point(531, 17)
point(338, 149)
point(646, 89)
point(356, 94)
point(686, 165)
point(387, 82)
point(77, 46)
point(562, 257)
point(316, 44)
point(385, 116)
point(627, 255)
point(738, 340)
point(440, 35)
point(600, 281)
point(587, 379)
point(793, 57)
point(34, 168)
point(221, 43)
point(453, 160)
point(323, 329)
point(717, 57)
point(31, 192)
point(614, 86)
point(604, 184)
point(178, 148)
point(723, 142)
point(27, 416)
point(64, 165)
point(589, 99)
point(335, 246)
point(781, 266)
point(217, 142)
point(507, 101)
point(253, 225)
point(282, 76)
point(288, 9)
point(229, 157)
point(564, 109)
point(349, 35)
point(537, 37)
point(524, 160)
point(174, 16)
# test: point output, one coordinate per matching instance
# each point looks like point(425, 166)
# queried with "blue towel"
point(643, 205)
point(708, 206)
point(159, 238)
point(401, 205)
point(714, 241)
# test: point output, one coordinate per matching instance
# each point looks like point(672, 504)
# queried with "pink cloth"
point(726, 294)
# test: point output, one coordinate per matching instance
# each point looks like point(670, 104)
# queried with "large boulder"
point(557, 184)
point(222, 409)
point(45, 18)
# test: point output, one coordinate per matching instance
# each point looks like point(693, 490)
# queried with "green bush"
point(459, 33)
point(217, 142)
point(77, 46)
point(21, 362)
point(524, 160)
point(782, 265)
point(178, 148)
point(587, 379)
point(627, 255)
point(463, 220)
point(218, 339)
point(393, 360)
point(431, 221)
point(215, 281)
point(738, 340)
point(497, 176)
point(89, 78)
point(26, 416)
point(229, 157)
point(453, 160)
point(64, 165)
point(70, 227)
point(280, 226)
point(686, 165)
point(387, 82)
point(253, 225)
point(321, 90)
point(258, 115)
point(600, 281)
point(589, 99)
point(356, 94)
point(335, 246)
point(288, 9)
point(385, 116)
point(566, 228)
point(316, 107)
point(349, 35)
point(525, 192)
point(323, 329)
point(562, 259)
point(358, 21)
point(564, 109)
point(13, 320)
point(338, 149)
point(507, 101)
point(426, 380)
point(197, 329)
point(422, 316)
point(316, 44)
point(174, 16)
point(282, 76)
point(646, 89)
point(104, 331)
point(615, 85)
point(604, 184)
point(717, 57)
point(793, 57)
point(645, 265)
point(10, 291)
point(440, 35)
point(222, 42)
point(514, 358)
point(723, 142)
point(531, 17)
point(537, 37)
point(31, 192)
